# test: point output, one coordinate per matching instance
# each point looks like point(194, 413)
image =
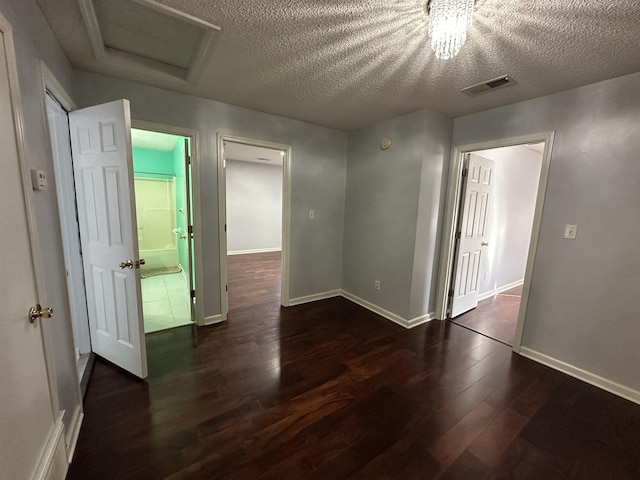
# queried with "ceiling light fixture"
point(448, 24)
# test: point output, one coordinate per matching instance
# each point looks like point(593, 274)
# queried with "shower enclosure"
point(157, 229)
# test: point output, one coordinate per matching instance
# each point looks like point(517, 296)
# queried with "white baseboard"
point(414, 322)
point(509, 286)
point(499, 290)
point(585, 376)
point(315, 297)
point(256, 250)
point(72, 441)
point(53, 463)
point(213, 319)
point(485, 295)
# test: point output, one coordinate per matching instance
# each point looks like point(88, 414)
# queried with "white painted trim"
point(509, 286)
point(414, 322)
point(53, 463)
point(499, 290)
point(128, 62)
point(315, 297)
point(213, 319)
point(488, 294)
point(256, 250)
point(195, 205)
point(74, 432)
point(52, 84)
point(584, 375)
point(451, 219)
point(222, 215)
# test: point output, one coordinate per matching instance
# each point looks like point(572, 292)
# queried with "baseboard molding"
point(213, 319)
point(257, 250)
point(499, 290)
point(406, 323)
point(485, 295)
point(72, 441)
point(585, 376)
point(315, 297)
point(53, 464)
point(509, 286)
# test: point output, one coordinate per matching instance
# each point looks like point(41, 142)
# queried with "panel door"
point(102, 163)
point(26, 421)
point(473, 234)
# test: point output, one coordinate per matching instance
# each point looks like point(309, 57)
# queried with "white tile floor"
point(165, 302)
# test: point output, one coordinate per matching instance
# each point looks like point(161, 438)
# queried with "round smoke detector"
point(385, 143)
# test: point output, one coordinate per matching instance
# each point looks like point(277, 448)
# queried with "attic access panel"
point(147, 37)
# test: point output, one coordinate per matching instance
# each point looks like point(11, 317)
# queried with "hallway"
point(329, 390)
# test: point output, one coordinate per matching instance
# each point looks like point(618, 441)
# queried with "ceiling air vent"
point(488, 85)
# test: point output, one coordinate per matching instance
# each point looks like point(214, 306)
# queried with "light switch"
point(570, 231)
point(312, 214)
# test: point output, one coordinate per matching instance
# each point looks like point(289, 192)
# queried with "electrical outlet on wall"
point(486, 275)
point(570, 231)
point(376, 285)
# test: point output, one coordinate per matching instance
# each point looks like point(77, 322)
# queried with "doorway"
point(503, 251)
point(496, 195)
point(163, 213)
point(254, 186)
point(116, 324)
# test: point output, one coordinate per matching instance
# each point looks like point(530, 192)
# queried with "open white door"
point(472, 234)
point(102, 165)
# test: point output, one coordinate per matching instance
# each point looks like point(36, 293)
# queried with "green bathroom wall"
point(150, 163)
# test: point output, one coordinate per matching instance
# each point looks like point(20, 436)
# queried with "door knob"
point(140, 262)
point(485, 244)
point(127, 264)
point(39, 312)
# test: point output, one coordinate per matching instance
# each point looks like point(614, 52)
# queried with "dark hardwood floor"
point(495, 317)
point(329, 390)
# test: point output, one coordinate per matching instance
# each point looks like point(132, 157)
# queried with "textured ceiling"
point(350, 63)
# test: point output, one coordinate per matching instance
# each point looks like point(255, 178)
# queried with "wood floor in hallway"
point(329, 390)
point(496, 317)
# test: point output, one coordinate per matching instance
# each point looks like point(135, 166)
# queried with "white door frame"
point(452, 213)
point(222, 216)
point(53, 87)
point(195, 205)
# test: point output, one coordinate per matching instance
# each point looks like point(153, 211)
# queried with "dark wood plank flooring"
point(495, 317)
point(329, 390)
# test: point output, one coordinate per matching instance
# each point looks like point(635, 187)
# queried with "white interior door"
point(472, 234)
point(26, 421)
point(103, 164)
point(61, 150)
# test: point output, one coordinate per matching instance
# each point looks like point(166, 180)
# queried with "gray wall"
point(34, 41)
point(584, 303)
point(511, 211)
point(254, 206)
point(392, 211)
point(319, 158)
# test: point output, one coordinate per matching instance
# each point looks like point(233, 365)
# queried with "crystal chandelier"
point(448, 23)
